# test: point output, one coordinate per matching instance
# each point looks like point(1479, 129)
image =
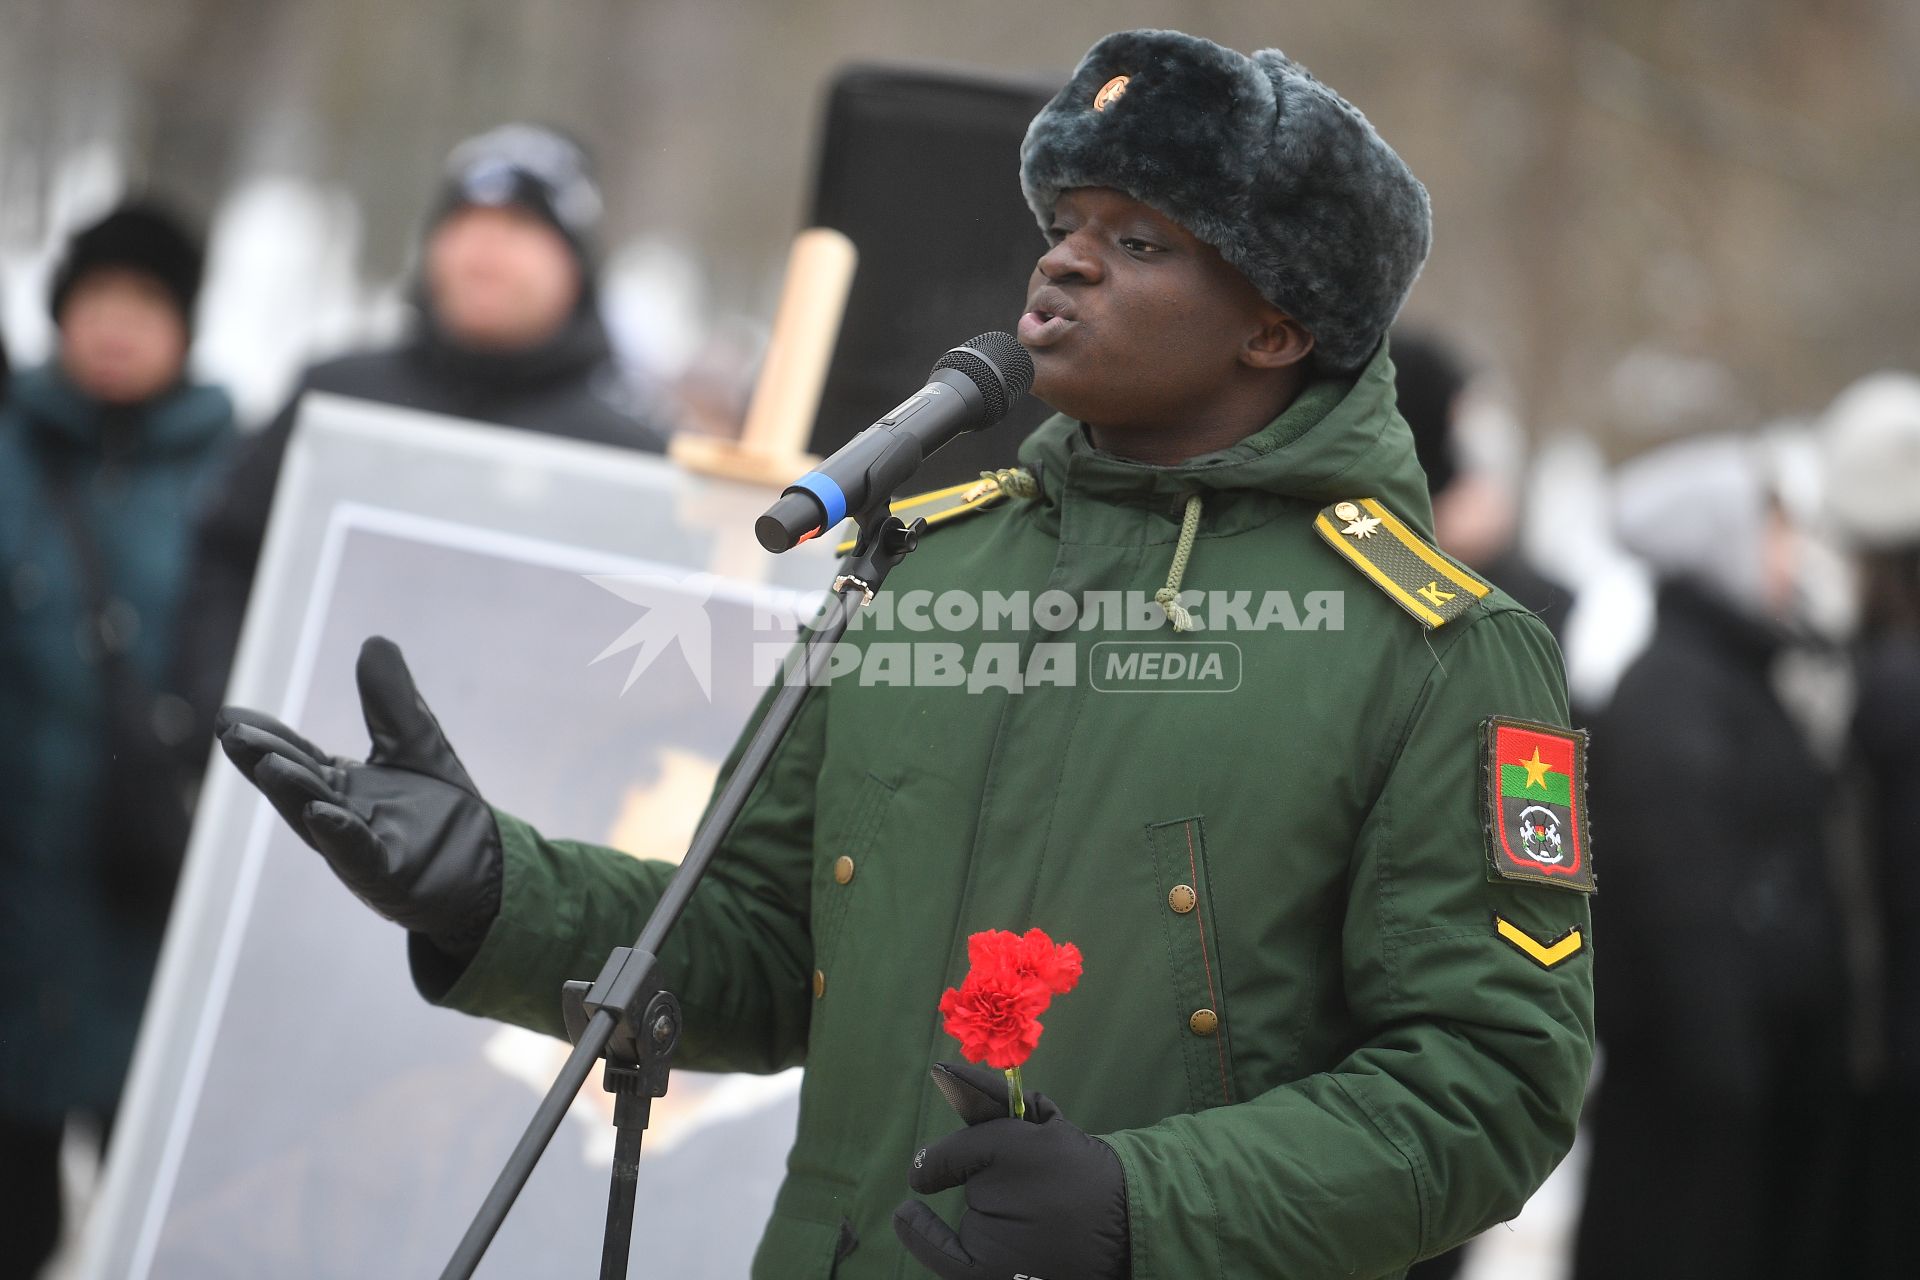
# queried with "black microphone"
point(970, 387)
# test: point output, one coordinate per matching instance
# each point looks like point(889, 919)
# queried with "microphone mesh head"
point(998, 365)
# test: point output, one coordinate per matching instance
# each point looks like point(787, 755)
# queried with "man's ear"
point(1280, 342)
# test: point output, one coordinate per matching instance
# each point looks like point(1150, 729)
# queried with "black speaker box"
point(920, 168)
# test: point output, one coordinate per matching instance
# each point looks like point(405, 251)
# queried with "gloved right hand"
point(407, 830)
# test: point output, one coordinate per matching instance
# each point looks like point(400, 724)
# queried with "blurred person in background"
point(1718, 1126)
point(102, 454)
point(507, 330)
point(1476, 511)
point(1872, 438)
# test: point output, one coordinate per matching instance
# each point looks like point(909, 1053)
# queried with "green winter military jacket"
point(1302, 1025)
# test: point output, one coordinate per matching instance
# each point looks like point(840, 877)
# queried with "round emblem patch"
point(1540, 835)
point(1110, 92)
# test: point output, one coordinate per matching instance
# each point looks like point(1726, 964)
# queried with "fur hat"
point(1255, 157)
point(138, 236)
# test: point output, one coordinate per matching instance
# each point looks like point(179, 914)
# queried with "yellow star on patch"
point(1362, 526)
point(1536, 770)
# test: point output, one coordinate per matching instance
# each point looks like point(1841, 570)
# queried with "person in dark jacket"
point(1873, 456)
point(508, 331)
point(1475, 512)
point(102, 453)
point(1722, 1092)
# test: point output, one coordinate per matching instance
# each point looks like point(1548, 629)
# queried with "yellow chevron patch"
point(1412, 571)
point(1544, 954)
point(938, 506)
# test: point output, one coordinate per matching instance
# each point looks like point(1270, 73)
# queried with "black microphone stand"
point(621, 1016)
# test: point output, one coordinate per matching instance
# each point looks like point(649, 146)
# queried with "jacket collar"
point(61, 417)
point(578, 347)
point(1340, 439)
point(1697, 610)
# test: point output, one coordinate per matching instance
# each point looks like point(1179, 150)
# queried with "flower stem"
point(1016, 1095)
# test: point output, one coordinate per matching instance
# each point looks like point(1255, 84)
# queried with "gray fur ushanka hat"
point(1256, 158)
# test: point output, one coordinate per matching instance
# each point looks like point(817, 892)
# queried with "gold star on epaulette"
point(1362, 526)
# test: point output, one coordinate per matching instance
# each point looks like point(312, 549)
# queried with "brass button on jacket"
point(820, 984)
point(842, 869)
point(1182, 898)
point(1204, 1022)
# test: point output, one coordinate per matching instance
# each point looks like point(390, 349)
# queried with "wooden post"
point(771, 449)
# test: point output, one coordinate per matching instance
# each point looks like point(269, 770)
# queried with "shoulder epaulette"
point(1412, 571)
point(939, 506)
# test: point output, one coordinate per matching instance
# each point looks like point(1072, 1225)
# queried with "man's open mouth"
point(1042, 327)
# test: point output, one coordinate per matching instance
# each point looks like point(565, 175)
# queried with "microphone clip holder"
point(884, 542)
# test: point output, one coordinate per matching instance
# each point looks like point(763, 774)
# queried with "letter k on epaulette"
point(1411, 570)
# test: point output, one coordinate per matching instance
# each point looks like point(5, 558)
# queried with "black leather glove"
point(1043, 1198)
point(407, 831)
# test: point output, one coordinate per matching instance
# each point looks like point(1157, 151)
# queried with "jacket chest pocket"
point(1185, 908)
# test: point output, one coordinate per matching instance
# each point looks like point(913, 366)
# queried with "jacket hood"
point(1342, 438)
point(183, 420)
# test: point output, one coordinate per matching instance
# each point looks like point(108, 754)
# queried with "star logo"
point(676, 613)
point(1362, 526)
point(1536, 770)
point(1110, 93)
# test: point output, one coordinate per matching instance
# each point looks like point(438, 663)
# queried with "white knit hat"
point(1697, 510)
point(1872, 444)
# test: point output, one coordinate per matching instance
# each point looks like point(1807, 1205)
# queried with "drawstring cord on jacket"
point(1168, 597)
point(1015, 482)
point(1018, 482)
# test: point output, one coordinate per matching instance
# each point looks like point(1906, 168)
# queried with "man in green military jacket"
point(1330, 886)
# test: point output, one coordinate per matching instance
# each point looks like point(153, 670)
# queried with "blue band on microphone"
point(822, 487)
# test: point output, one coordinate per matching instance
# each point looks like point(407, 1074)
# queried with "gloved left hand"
point(1043, 1198)
point(407, 830)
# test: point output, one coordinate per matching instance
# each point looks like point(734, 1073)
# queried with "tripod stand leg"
point(630, 1113)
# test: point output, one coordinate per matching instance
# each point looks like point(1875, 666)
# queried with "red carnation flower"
point(1035, 956)
point(1011, 978)
point(995, 1015)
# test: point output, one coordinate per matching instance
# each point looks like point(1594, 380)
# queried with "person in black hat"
point(508, 331)
point(103, 453)
point(508, 327)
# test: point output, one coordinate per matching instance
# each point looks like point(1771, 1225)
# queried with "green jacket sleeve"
point(740, 959)
point(1467, 1077)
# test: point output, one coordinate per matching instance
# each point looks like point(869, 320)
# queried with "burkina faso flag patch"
point(1536, 803)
